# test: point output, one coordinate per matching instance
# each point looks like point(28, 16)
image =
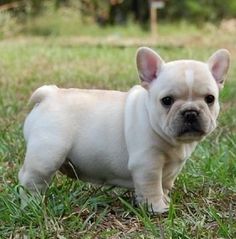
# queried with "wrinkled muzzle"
point(190, 125)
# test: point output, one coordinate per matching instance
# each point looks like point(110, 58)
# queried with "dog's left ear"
point(149, 65)
point(219, 65)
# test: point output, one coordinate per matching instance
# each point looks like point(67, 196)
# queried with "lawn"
point(203, 201)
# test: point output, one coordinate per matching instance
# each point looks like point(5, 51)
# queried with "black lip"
point(191, 133)
point(191, 129)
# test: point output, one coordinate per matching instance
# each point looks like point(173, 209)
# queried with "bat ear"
point(219, 64)
point(149, 65)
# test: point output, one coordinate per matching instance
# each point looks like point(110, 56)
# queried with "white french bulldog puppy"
point(137, 139)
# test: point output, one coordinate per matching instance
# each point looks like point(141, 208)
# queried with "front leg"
point(169, 174)
point(147, 178)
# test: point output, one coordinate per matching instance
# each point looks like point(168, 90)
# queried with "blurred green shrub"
point(199, 11)
point(192, 10)
point(49, 17)
point(8, 25)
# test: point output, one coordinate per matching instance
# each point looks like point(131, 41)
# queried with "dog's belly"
point(121, 182)
point(98, 163)
point(69, 169)
point(97, 171)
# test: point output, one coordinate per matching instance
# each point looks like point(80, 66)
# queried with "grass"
point(203, 202)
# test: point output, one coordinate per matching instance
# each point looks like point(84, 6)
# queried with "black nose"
point(190, 116)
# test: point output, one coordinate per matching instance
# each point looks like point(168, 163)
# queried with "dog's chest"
point(175, 160)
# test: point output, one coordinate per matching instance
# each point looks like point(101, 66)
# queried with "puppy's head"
point(182, 95)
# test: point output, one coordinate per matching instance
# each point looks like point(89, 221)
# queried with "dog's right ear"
point(149, 65)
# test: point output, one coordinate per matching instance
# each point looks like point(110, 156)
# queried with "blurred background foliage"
point(23, 16)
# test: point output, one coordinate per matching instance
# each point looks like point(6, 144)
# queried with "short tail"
point(41, 93)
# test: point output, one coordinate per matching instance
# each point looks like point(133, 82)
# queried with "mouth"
point(190, 132)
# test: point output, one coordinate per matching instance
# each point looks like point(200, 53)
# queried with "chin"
point(190, 137)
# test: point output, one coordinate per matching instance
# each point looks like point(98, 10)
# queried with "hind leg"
point(43, 158)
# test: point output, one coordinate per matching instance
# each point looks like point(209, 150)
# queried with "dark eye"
point(167, 101)
point(209, 99)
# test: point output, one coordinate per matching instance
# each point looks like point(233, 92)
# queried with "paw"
point(26, 198)
point(166, 199)
point(166, 195)
point(155, 205)
point(158, 206)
